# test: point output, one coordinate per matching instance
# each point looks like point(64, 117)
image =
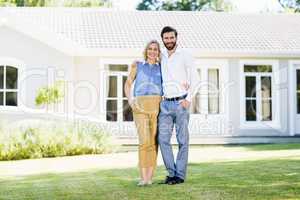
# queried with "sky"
point(244, 6)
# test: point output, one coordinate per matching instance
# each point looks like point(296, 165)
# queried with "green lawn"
point(251, 147)
point(261, 180)
point(269, 147)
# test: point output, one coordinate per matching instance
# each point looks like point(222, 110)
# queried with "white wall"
point(87, 86)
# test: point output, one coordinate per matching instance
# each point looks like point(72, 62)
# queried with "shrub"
point(37, 139)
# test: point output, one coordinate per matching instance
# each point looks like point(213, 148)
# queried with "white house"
point(248, 65)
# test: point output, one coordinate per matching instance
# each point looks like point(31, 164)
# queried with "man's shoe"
point(169, 180)
point(178, 180)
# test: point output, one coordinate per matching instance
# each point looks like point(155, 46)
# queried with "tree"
point(149, 5)
point(52, 94)
point(293, 5)
point(187, 5)
point(65, 3)
point(7, 3)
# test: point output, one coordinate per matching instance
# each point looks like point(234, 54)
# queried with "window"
point(117, 107)
point(196, 101)
point(207, 98)
point(258, 92)
point(8, 86)
point(213, 91)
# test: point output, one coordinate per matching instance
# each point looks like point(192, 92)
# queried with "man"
point(179, 80)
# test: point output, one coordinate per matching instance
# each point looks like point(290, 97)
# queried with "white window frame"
point(292, 99)
point(222, 65)
point(20, 66)
point(103, 63)
point(275, 122)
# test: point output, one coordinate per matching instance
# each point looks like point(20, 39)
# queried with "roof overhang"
point(197, 53)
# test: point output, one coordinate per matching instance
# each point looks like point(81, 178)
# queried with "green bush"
point(50, 94)
point(51, 139)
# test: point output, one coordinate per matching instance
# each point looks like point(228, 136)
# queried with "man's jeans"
point(172, 113)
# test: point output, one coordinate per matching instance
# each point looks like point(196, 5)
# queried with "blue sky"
point(240, 5)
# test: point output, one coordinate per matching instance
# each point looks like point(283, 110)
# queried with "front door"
point(297, 94)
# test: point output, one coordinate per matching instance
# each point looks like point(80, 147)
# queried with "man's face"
point(169, 40)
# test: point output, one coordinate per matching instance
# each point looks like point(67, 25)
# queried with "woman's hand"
point(131, 102)
point(186, 86)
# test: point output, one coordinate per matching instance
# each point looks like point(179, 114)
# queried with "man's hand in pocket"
point(185, 103)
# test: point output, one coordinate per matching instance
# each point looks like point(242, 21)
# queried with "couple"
point(162, 95)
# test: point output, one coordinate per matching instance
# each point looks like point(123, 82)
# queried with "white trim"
point(21, 92)
point(275, 123)
point(292, 99)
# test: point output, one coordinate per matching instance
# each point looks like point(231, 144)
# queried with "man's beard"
point(170, 47)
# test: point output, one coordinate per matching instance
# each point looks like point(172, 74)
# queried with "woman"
point(145, 106)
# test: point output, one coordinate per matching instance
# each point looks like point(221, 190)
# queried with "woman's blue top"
point(148, 80)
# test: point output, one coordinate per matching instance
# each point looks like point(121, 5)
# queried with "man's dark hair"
point(168, 29)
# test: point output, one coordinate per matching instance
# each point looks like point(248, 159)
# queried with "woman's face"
point(153, 51)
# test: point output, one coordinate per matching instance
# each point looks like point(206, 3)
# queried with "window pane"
point(266, 110)
point(124, 80)
point(298, 79)
point(257, 68)
point(298, 102)
point(250, 110)
point(1, 77)
point(111, 110)
point(127, 112)
point(11, 99)
point(213, 91)
point(112, 86)
point(11, 77)
point(122, 68)
point(250, 86)
point(266, 91)
point(1, 98)
point(195, 106)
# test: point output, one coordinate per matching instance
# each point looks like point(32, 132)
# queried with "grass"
point(251, 147)
point(262, 180)
point(270, 147)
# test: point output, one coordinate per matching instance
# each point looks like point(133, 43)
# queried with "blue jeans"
point(172, 113)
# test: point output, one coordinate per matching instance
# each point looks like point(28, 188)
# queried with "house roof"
point(93, 29)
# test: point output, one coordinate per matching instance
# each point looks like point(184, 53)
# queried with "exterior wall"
point(42, 64)
point(87, 86)
point(234, 93)
point(89, 70)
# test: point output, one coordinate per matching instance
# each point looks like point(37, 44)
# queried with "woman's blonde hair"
point(147, 46)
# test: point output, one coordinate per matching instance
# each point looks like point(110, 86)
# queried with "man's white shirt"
point(177, 70)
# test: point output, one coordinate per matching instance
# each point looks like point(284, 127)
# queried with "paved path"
point(129, 159)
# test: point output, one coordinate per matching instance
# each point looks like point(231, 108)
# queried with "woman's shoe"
point(141, 183)
point(149, 183)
